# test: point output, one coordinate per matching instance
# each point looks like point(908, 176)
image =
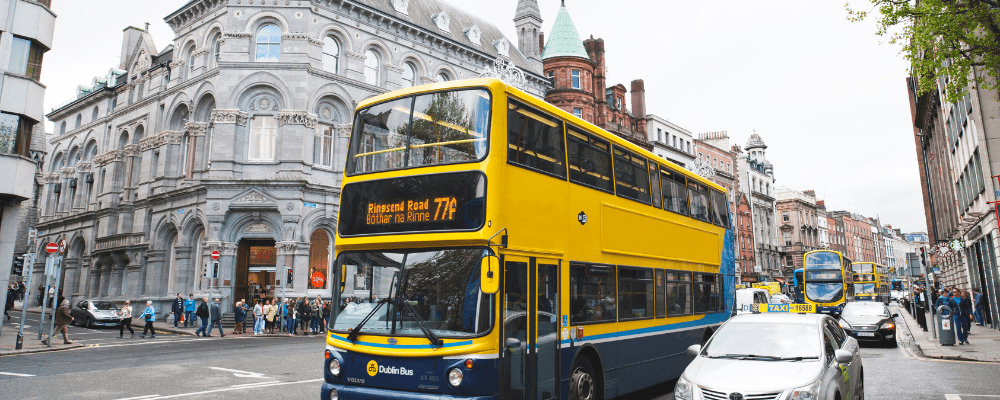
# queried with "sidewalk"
point(30, 342)
point(984, 343)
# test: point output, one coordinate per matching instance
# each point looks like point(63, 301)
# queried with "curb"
point(919, 351)
point(5, 353)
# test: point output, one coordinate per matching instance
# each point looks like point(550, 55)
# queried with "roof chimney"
point(639, 99)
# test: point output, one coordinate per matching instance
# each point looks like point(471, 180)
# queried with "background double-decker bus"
point(897, 289)
point(491, 245)
point(871, 282)
point(797, 292)
point(827, 280)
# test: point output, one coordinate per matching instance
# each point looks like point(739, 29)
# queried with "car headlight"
point(845, 325)
point(455, 377)
point(887, 325)
point(683, 390)
point(808, 392)
point(335, 367)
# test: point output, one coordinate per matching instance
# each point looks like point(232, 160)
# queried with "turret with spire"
point(528, 22)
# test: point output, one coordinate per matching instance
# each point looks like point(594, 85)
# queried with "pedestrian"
point(272, 315)
point(952, 300)
point(977, 299)
point(216, 314)
point(126, 314)
point(965, 306)
point(189, 308)
point(292, 316)
point(326, 314)
point(920, 301)
point(258, 317)
point(149, 315)
point(9, 304)
point(63, 318)
point(203, 314)
point(304, 310)
point(177, 308)
point(317, 313)
point(241, 315)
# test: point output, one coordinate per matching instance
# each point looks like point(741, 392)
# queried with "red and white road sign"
point(52, 247)
point(62, 246)
point(215, 255)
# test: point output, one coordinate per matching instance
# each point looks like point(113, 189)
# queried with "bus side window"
point(631, 176)
point(704, 297)
point(678, 293)
point(720, 210)
point(635, 297)
point(674, 186)
point(654, 183)
point(589, 160)
point(535, 140)
point(698, 197)
point(592, 293)
point(661, 311)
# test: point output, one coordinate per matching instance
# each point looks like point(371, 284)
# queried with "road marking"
point(241, 374)
point(141, 343)
point(141, 397)
point(14, 374)
point(253, 384)
point(952, 397)
point(228, 389)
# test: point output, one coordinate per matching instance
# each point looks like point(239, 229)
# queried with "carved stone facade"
point(218, 153)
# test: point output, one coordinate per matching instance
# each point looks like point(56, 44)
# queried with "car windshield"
point(859, 310)
point(104, 305)
point(440, 286)
point(766, 340)
point(434, 128)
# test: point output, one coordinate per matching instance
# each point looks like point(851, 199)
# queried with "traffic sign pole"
point(24, 302)
point(45, 290)
point(55, 297)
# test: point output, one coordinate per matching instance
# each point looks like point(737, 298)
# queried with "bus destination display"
point(441, 202)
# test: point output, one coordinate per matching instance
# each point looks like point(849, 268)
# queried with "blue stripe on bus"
point(710, 319)
point(404, 346)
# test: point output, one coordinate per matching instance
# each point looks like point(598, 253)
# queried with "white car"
point(747, 297)
point(805, 356)
point(780, 299)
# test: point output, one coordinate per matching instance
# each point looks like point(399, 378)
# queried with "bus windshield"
point(863, 268)
point(824, 292)
point(822, 260)
point(864, 288)
point(435, 128)
point(441, 287)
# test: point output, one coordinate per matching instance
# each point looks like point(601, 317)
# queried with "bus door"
point(530, 328)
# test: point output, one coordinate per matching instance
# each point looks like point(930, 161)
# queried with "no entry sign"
point(215, 255)
point(52, 247)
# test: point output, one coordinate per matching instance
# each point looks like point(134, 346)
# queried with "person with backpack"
point(202, 313)
point(149, 315)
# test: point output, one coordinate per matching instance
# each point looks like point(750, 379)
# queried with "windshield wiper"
point(756, 356)
point(420, 322)
point(353, 336)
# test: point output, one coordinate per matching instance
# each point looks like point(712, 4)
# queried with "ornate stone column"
point(297, 129)
point(227, 125)
point(342, 138)
point(183, 274)
point(82, 202)
point(286, 258)
point(196, 132)
point(355, 68)
point(152, 275)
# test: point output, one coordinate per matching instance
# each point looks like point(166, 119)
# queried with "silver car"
point(775, 357)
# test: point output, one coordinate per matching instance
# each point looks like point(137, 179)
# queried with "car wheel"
point(583, 382)
point(89, 323)
point(861, 388)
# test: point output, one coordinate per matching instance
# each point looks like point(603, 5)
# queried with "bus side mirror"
point(489, 280)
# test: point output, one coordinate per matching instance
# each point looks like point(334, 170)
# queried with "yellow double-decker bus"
point(828, 280)
point(491, 245)
point(871, 282)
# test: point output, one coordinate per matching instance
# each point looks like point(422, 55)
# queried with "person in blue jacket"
point(189, 306)
point(148, 315)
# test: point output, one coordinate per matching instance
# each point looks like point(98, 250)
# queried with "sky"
point(826, 95)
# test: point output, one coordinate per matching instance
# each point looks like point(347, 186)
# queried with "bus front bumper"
point(345, 392)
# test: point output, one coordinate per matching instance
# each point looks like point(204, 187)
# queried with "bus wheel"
point(584, 383)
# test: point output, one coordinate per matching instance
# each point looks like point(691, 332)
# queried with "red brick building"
point(744, 239)
point(578, 71)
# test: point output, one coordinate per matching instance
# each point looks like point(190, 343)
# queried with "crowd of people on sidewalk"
point(288, 316)
point(965, 308)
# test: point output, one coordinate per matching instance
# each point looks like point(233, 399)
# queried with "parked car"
point(775, 356)
point(90, 313)
point(780, 299)
point(869, 321)
point(747, 297)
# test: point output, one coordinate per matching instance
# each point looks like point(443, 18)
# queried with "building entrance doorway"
point(256, 262)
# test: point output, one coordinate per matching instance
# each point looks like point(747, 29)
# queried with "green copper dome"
point(564, 41)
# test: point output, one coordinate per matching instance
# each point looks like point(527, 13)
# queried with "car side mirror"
point(895, 315)
point(511, 343)
point(843, 356)
point(694, 350)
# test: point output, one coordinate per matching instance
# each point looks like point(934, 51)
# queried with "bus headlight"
point(455, 377)
point(335, 367)
point(334, 395)
point(682, 390)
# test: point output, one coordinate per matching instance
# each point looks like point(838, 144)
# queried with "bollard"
point(946, 328)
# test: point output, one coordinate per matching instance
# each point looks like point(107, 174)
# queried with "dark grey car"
point(92, 313)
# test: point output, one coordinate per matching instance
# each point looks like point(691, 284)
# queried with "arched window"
point(93, 116)
point(443, 77)
point(79, 119)
point(190, 60)
point(62, 128)
point(319, 259)
point(216, 49)
point(371, 68)
point(268, 43)
point(331, 54)
point(262, 135)
point(409, 74)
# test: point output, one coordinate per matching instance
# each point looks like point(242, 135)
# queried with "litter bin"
point(946, 329)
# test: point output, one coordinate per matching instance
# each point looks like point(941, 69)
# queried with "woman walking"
point(317, 314)
point(149, 314)
point(126, 313)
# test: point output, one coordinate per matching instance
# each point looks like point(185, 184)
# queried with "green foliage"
point(955, 41)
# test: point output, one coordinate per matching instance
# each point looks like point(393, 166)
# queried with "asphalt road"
point(172, 366)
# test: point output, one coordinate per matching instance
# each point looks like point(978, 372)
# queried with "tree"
point(955, 41)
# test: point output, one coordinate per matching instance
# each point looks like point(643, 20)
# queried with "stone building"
point(232, 138)
point(578, 71)
point(670, 141)
point(798, 226)
point(757, 181)
point(26, 29)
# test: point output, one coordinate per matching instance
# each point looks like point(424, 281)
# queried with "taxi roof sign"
point(804, 308)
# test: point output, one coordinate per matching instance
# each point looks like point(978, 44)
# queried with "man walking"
point(203, 314)
point(216, 313)
point(977, 305)
point(149, 315)
point(63, 318)
point(920, 301)
point(189, 311)
point(177, 308)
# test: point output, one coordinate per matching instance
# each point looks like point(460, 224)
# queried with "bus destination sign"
point(413, 204)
